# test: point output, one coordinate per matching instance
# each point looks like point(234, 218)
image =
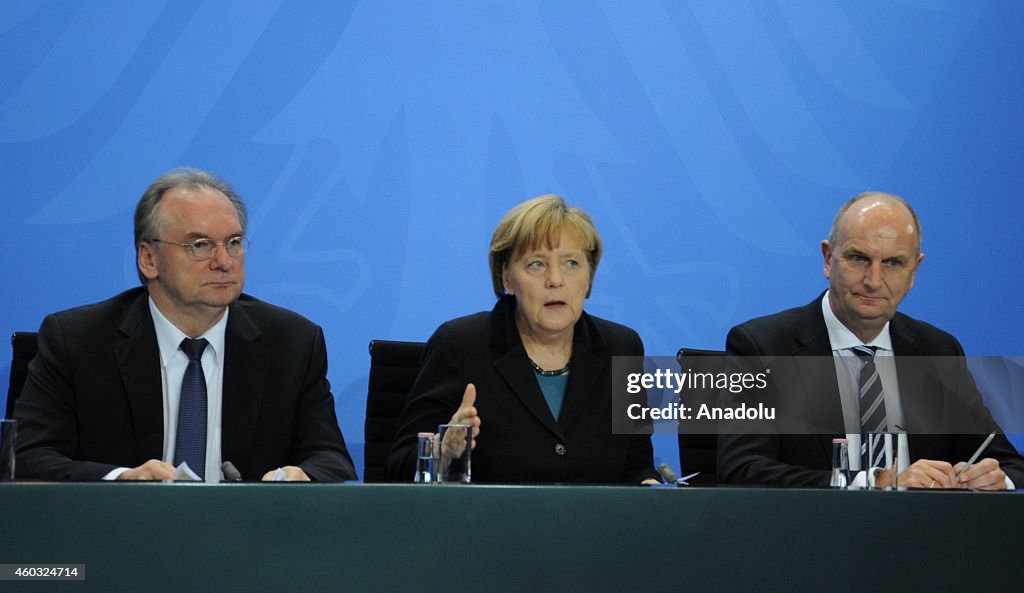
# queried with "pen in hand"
point(977, 454)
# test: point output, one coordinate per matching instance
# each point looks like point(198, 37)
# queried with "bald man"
point(870, 258)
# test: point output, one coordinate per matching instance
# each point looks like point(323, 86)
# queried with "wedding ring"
point(932, 485)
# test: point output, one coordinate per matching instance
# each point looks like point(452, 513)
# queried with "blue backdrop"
point(378, 143)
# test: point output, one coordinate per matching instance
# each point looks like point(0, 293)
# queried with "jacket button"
point(559, 449)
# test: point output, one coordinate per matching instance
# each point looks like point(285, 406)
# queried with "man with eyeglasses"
point(185, 369)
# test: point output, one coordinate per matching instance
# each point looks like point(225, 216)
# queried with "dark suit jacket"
point(93, 399)
point(520, 440)
point(932, 396)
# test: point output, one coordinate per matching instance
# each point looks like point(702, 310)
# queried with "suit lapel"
point(514, 368)
point(587, 369)
point(138, 358)
point(821, 387)
point(587, 372)
point(244, 384)
point(513, 364)
point(584, 386)
point(910, 377)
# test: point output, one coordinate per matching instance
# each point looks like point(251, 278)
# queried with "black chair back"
point(699, 452)
point(24, 350)
point(393, 370)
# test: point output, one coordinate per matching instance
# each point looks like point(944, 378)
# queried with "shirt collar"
point(169, 337)
point(840, 336)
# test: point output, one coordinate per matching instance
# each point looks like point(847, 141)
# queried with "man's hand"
point(923, 473)
point(291, 473)
point(983, 475)
point(154, 469)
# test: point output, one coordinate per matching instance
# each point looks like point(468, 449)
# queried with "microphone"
point(670, 476)
point(231, 473)
point(667, 474)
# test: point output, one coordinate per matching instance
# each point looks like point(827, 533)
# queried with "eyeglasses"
point(201, 249)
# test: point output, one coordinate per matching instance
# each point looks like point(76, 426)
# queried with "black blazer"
point(520, 440)
point(805, 459)
point(93, 399)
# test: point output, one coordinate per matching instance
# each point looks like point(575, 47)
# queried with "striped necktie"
point(190, 441)
point(872, 405)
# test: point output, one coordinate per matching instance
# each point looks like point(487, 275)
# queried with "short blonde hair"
point(540, 221)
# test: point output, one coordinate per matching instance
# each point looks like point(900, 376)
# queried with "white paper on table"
point(185, 473)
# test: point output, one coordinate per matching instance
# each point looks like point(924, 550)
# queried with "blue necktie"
point(190, 442)
point(872, 405)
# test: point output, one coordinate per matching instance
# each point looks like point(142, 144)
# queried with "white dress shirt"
point(848, 374)
point(848, 366)
point(172, 369)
